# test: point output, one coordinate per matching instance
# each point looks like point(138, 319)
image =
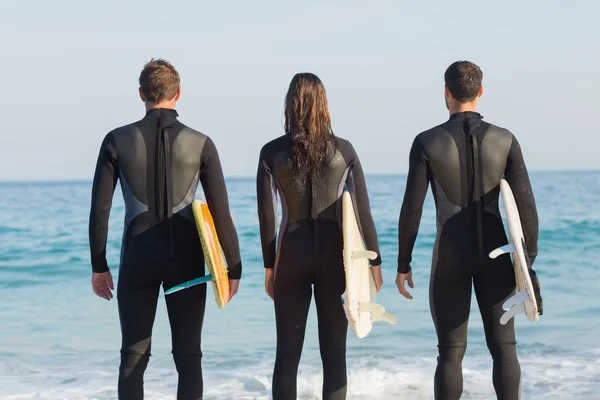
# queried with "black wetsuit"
point(308, 251)
point(159, 162)
point(464, 159)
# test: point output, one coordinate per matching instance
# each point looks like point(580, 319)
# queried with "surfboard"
point(524, 300)
point(360, 297)
point(213, 256)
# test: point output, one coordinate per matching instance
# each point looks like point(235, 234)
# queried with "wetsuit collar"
point(464, 115)
point(155, 113)
point(165, 117)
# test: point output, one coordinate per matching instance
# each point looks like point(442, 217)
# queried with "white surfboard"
point(523, 301)
point(359, 299)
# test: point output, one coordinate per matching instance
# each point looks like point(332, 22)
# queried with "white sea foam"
point(543, 378)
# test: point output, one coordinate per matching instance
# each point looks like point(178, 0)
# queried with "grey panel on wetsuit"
point(298, 205)
point(326, 195)
point(184, 208)
point(131, 149)
point(434, 263)
point(133, 207)
point(445, 208)
point(338, 209)
point(444, 161)
point(284, 220)
point(186, 151)
point(495, 146)
point(282, 167)
point(348, 178)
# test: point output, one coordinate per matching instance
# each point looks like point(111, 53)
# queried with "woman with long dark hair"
point(308, 168)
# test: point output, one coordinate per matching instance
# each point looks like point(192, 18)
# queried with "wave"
point(542, 378)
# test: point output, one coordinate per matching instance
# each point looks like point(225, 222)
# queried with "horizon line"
point(245, 177)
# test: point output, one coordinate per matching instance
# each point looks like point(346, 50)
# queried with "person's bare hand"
point(377, 278)
point(102, 284)
point(234, 284)
point(270, 283)
point(400, 279)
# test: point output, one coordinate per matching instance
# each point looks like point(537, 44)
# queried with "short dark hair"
point(159, 81)
point(463, 79)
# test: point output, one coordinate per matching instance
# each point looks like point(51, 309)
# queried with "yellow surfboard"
point(213, 255)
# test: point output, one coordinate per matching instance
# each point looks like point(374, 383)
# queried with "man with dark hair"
point(464, 159)
point(159, 162)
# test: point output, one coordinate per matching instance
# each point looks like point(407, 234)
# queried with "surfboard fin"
point(385, 317)
point(520, 297)
point(359, 255)
point(515, 310)
point(508, 248)
point(377, 312)
point(370, 307)
point(189, 284)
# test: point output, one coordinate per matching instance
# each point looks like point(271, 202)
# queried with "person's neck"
point(165, 104)
point(463, 107)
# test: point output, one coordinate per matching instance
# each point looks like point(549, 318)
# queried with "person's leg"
point(494, 284)
point(450, 302)
point(186, 315)
point(292, 301)
point(186, 309)
point(137, 310)
point(333, 329)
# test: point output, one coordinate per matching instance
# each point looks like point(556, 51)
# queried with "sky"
point(70, 68)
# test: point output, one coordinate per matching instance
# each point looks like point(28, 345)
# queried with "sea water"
point(59, 341)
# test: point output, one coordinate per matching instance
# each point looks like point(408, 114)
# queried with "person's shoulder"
point(341, 141)
point(274, 145)
point(278, 141)
point(499, 134)
point(430, 133)
point(344, 145)
point(196, 139)
point(123, 130)
point(188, 130)
point(347, 150)
point(498, 128)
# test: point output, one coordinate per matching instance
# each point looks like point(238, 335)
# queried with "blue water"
point(59, 341)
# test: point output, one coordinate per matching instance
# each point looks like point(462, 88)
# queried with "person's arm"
point(357, 187)
point(417, 183)
point(518, 178)
point(266, 196)
point(215, 191)
point(103, 187)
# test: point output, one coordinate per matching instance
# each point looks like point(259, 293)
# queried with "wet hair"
point(308, 125)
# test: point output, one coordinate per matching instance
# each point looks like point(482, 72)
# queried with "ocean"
point(59, 341)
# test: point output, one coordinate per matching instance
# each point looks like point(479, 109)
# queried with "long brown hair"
point(308, 124)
